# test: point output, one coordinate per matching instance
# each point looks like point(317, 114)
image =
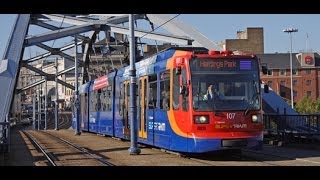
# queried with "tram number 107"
point(231, 115)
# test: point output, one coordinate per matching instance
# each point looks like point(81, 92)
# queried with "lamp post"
point(290, 31)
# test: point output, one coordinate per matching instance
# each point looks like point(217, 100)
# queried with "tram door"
point(143, 107)
point(152, 106)
point(126, 120)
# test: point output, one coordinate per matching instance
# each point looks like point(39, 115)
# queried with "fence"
point(291, 125)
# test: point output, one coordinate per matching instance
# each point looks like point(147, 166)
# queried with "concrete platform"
point(20, 150)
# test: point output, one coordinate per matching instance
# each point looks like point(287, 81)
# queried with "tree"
point(317, 104)
point(308, 106)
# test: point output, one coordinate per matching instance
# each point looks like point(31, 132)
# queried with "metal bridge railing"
point(5, 136)
point(284, 125)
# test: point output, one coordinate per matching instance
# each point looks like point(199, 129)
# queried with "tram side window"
point(103, 99)
point(139, 92)
point(176, 91)
point(109, 97)
point(93, 101)
point(121, 99)
point(185, 101)
point(152, 96)
point(98, 104)
point(165, 90)
point(145, 91)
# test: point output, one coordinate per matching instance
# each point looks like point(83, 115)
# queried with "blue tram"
point(173, 109)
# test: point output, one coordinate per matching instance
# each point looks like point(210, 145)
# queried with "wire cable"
point(58, 32)
point(160, 25)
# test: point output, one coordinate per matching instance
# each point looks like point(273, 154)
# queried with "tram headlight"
point(201, 119)
point(256, 118)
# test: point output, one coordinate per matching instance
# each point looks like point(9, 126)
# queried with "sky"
point(218, 27)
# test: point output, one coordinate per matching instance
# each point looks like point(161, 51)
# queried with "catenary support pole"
point(134, 149)
point(76, 92)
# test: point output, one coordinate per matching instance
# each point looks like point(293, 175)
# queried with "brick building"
point(250, 41)
point(306, 71)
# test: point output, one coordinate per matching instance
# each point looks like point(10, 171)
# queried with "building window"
point(282, 72)
point(294, 82)
point(309, 93)
point(283, 94)
point(270, 84)
point(308, 71)
point(283, 83)
point(295, 94)
point(270, 72)
point(294, 72)
point(308, 82)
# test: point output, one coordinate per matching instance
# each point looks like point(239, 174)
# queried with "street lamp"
point(290, 31)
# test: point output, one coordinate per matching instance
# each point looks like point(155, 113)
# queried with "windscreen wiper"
point(251, 102)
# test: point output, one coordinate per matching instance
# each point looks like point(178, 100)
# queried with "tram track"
point(93, 155)
point(40, 148)
point(60, 152)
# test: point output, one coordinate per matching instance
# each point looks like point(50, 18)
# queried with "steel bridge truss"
point(77, 24)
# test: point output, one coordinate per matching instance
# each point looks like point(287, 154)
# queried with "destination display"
point(223, 65)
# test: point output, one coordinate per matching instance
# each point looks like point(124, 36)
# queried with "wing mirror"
point(266, 88)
